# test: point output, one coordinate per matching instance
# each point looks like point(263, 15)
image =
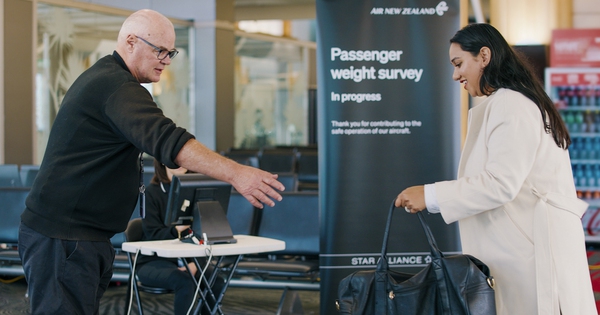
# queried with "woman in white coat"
point(514, 198)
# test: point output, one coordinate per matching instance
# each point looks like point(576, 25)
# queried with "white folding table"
point(246, 244)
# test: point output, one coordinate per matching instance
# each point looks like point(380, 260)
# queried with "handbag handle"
point(435, 251)
point(381, 273)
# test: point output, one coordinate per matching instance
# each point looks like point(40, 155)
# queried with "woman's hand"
point(182, 228)
point(192, 266)
point(412, 199)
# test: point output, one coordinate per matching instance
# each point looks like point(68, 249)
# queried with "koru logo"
point(441, 8)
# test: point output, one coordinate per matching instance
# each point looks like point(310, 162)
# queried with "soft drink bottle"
point(573, 149)
point(588, 149)
point(582, 95)
point(590, 177)
point(581, 178)
point(563, 100)
point(580, 175)
point(596, 147)
point(597, 175)
point(591, 121)
point(569, 95)
point(569, 120)
point(592, 96)
point(578, 122)
point(591, 150)
point(574, 96)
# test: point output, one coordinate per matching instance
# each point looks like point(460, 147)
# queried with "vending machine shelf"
point(576, 95)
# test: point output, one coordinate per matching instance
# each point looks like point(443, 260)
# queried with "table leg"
point(132, 286)
point(216, 308)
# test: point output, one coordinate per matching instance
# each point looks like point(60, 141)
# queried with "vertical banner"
point(388, 118)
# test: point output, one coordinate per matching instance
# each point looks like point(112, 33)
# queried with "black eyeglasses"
point(162, 53)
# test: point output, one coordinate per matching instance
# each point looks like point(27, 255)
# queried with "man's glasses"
point(162, 53)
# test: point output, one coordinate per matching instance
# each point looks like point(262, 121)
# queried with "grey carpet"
point(237, 301)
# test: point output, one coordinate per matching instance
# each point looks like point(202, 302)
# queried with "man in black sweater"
point(88, 183)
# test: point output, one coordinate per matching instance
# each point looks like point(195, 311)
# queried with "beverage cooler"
point(576, 94)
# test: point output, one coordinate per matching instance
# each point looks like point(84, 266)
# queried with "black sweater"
point(87, 185)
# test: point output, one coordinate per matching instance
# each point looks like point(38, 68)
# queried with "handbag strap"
point(435, 251)
point(437, 267)
point(382, 265)
point(381, 274)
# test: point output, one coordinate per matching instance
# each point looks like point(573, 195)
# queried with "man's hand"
point(257, 186)
point(254, 184)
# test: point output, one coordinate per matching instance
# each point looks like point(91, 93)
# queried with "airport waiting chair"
point(244, 156)
point(308, 170)
point(28, 173)
point(13, 204)
point(295, 220)
point(9, 175)
point(242, 215)
point(289, 181)
point(277, 161)
point(134, 233)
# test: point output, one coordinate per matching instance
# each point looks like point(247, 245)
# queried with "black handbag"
point(449, 285)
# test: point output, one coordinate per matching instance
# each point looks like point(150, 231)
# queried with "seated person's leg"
point(165, 274)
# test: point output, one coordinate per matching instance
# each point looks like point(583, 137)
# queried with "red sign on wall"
point(575, 48)
point(574, 78)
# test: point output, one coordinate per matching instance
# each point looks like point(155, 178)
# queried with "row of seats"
point(294, 163)
point(294, 220)
point(298, 166)
point(299, 207)
point(13, 175)
point(13, 204)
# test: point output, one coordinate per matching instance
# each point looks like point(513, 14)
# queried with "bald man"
point(88, 182)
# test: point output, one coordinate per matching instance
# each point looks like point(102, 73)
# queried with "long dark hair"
point(160, 174)
point(507, 69)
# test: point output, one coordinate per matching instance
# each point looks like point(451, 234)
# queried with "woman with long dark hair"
point(167, 272)
point(514, 198)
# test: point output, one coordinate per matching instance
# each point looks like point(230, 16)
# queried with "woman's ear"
point(486, 55)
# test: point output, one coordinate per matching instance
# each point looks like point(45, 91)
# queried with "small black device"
point(200, 201)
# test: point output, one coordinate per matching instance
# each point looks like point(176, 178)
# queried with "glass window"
point(271, 91)
point(70, 40)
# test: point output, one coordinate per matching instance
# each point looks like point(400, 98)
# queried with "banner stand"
point(389, 117)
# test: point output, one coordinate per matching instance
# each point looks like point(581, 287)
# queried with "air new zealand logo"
point(440, 9)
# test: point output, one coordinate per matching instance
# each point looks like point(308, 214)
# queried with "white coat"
point(518, 212)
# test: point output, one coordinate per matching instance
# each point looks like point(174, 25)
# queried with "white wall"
point(586, 14)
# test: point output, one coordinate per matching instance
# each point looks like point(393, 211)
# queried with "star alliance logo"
point(440, 9)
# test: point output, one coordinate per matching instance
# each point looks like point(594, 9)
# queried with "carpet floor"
point(237, 301)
